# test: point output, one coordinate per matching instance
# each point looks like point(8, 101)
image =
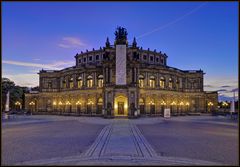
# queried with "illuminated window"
point(64, 84)
point(170, 83)
point(177, 84)
point(89, 81)
point(71, 83)
point(162, 82)
point(141, 81)
point(79, 82)
point(152, 82)
point(100, 81)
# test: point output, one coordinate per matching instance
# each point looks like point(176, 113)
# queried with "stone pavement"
point(119, 143)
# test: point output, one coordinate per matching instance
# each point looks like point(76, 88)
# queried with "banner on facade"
point(167, 113)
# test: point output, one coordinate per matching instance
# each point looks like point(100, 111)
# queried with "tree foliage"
point(16, 93)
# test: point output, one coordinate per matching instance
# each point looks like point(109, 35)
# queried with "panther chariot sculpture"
point(121, 35)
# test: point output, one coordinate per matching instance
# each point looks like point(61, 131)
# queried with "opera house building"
point(121, 79)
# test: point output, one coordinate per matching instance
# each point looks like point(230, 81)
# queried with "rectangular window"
point(152, 83)
point(80, 83)
point(162, 60)
point(162, 83)
point(145, 57)
point(50, 85)
point(64, 84)
point(90, 58)
point(71, 84)
point(90, 83)
point(100, 83)
point(84, 59)
point(151, 58)
point(157, 59)
point(141, 83)
point(79, 61)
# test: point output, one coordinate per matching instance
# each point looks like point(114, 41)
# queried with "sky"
point(194, 35)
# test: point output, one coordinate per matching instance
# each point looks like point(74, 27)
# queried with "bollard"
point(6, 116)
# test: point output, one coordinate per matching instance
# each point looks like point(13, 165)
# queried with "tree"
point(16, 93)
point(7, 85)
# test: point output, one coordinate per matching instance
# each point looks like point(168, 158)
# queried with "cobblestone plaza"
point(55, 140)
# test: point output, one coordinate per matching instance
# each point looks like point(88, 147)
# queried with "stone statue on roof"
point(121, 35)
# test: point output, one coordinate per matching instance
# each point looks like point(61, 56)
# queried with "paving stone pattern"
point(119, 143)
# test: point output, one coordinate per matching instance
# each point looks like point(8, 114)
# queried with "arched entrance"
point(121, 106)
point(142, 106)
point(99, 106)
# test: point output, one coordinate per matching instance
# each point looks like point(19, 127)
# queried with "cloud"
point(225, 86)
point(71, 42)
point(217, 83)
point(208, 86)
point(56, 65)
point(222, 90)
point(235, 90)
point(29, 80)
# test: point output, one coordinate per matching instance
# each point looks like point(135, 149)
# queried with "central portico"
point(120, 97)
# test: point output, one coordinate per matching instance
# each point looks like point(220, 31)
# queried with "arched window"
point(177, 84)
point(162, 82)
point(141, 81)
point(71, 83)
point(152, 82)
point(100, 81)
point(64, 83)
point(79, 82)
point(89, 81)
point(170, 83)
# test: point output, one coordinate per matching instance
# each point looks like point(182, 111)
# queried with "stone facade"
point(89, 87)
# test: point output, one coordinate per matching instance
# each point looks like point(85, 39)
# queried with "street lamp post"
point(210, 104)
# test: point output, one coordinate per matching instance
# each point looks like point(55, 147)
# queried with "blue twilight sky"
point(194, 35)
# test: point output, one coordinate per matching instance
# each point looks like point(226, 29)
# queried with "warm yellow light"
point(60, 103)
point(68, 103)
point(54, 103)
point(187, 104)
point(181, 103)
point(225, 104)
point(31, 103)
point(152, 103)
point(173, 103)
point(17, 103)
point(163, 103)
point(115, 106)
point(90, 102)
point(210, 104)
point(78, 103)
point(125, 106)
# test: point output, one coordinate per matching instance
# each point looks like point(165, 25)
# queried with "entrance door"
point(152, 109)
point(120, 108)
point(99, 109)
point(142, 109)
point(89, 109)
